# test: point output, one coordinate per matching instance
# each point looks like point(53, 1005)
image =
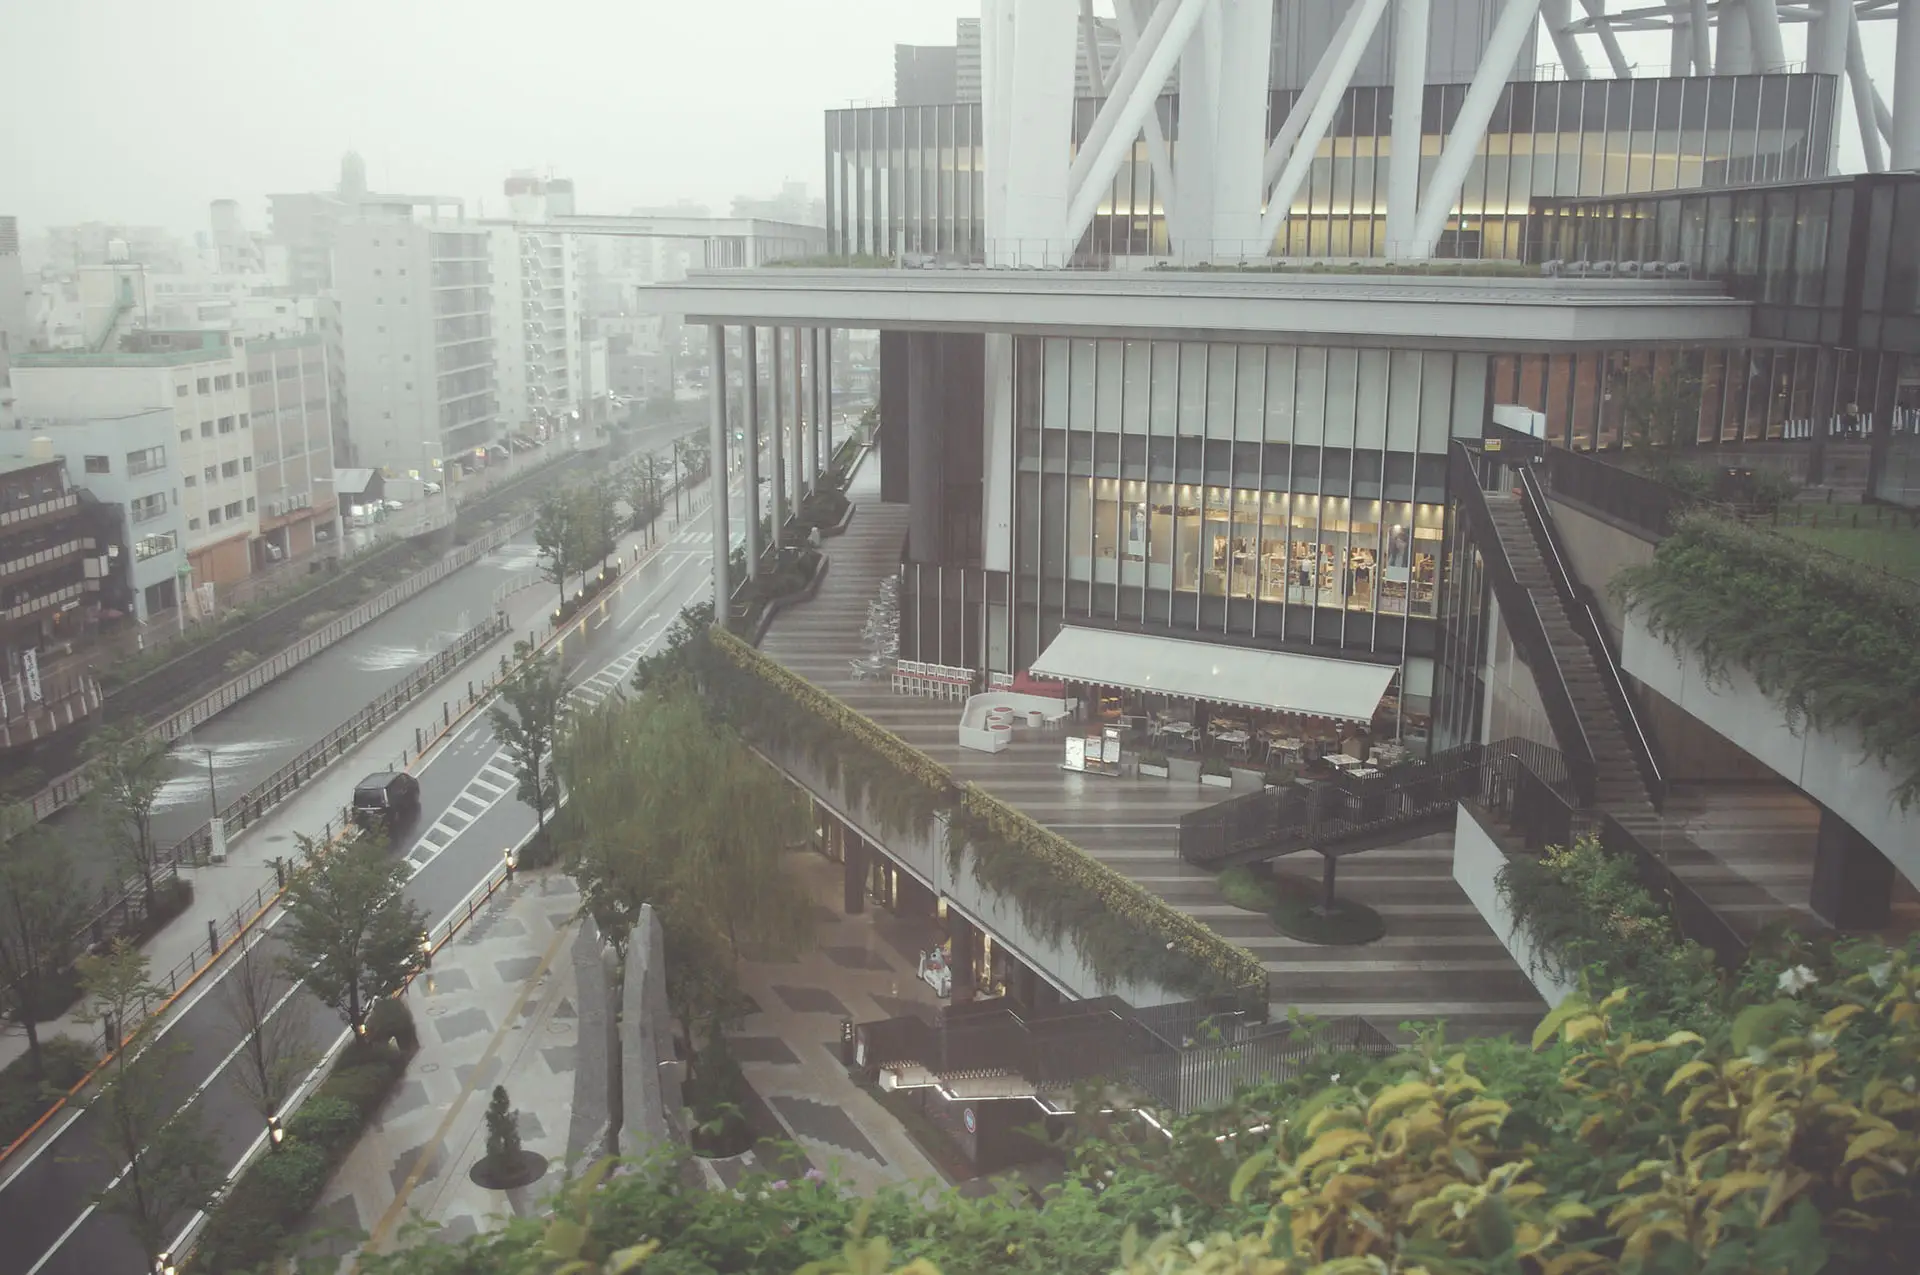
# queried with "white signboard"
point(30, 669)
point(1076, 753)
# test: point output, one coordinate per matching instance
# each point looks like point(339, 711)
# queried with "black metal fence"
point(1640, 503)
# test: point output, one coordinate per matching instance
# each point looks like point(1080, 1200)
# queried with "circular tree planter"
point(1299, 915)
point(522, 1170)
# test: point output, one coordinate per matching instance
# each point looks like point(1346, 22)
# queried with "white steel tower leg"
point(717, 470)
point(1558, 15)
point(1763, 25)
point(1090, 49)
point(1321, 104)
point(1827, 55)
point(1409, 96)
point(1244, 69)
point(1496, 64)
point(1135, 89)
point(1864, 103)
point(1906, 88)
point(1028, 68)
point(1700, 25)
point(1733, 54)
point(750, 378)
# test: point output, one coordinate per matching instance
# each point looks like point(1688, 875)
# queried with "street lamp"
point(507, 856)
point(426, 951)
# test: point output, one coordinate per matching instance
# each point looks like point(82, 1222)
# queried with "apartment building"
point(416, 326)
point(200, 377)
point(537, 320)
point(122, 462)
point(290, 394)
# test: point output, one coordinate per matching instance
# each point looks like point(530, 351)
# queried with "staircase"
point(1618, 785)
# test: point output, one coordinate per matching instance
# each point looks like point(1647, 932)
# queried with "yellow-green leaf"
point(1785, 1184)
point(1549, 1028)
point(1394, 1099)
point(1838, 1016)
point(1678, 1039)
point(1869, 1142)
point(1331, 1145)
point(1641, 1172)
point(1248, 1170)
point(1725, 1188)
point(1704, 1140)
point(628, 1259)
point(1687, 1072)
point(565, 1237)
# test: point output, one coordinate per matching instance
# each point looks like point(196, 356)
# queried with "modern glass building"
point(909, 179)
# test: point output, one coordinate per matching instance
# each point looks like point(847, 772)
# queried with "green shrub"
point(391, 1022)
point(324, 1118)
point(1215, 766)
point(295, 1170)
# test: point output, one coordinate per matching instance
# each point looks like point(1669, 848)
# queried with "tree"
point(644, 483)
point(503, 1130)
point(667, 808)
point(557, 535)
point(352, 935)
point(171, 1167)
point(537, 698)
point(128, 767)
point(42, 910)
point(1660, 405)
point(274, 1046)
point(600, 508)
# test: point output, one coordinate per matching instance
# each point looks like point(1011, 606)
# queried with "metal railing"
point(1523, 621)
point(1578, 601)
point(1182, 1058)
point(72, 786)
point(1322, 814)
point(1640, 503)
point(1696, 918)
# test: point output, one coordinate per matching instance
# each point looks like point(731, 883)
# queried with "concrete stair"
point(1618, 785)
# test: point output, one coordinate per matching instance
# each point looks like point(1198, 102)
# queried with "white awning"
point(1274, 681)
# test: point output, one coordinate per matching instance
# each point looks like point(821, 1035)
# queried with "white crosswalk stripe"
point(479, 796)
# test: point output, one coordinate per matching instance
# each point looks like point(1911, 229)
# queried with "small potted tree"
point(506, 1164)
point(1154, 762)
point(1215, 773)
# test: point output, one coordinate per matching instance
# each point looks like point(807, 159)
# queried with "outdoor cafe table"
point(1340, 761)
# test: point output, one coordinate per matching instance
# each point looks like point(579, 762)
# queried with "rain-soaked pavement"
point(265, 731)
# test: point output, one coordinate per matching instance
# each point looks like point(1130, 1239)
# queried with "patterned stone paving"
point(1439, 958)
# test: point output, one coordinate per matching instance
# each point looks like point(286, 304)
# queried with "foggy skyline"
point(144, 114)
point(140, 114)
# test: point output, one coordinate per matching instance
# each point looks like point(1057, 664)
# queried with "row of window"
point(226, 469)
point(225, 425)
point(147, 508)
point(215, 516)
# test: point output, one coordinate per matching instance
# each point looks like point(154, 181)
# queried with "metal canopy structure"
point(1229, 186)
point(730, 242)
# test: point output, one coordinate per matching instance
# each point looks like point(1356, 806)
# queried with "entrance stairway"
point(1618, 784)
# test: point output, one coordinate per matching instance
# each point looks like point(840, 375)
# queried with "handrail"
point(1523, 621)
point(1579, 603)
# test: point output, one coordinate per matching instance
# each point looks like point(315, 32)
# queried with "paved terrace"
point(1438, 959)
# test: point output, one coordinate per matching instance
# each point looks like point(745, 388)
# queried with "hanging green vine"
point(1121, 931)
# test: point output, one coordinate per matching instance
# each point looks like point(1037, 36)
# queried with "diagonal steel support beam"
point(1558, 15)
point(1157, 157)
point(1135, 90)
point(1865, 100)
point(1291, 153)
point(1090, 49)
point(1496, 64)
point(1608, 40)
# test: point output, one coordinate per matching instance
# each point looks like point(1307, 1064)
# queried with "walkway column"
point(750, 377)
point(717, 470)
point(1904, 151)
point(799, 428)
point(776, 471)
point(826, 386)
point(819, 465)
point(853, 889)
point(1852, 880)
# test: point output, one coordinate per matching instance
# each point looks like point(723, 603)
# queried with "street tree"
point(528, 724)
point(351, 933)
point(645, 481)
point(167, 1165)
point(556, 534)
point(1660, 405)
point(42, 910)
point(274, 1046)
point(600, 507)
point(127, 767)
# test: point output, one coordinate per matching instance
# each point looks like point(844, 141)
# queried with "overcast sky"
point(130, 111)
point(125, 110)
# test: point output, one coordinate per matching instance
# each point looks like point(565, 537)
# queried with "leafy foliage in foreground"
point(1782, 1140)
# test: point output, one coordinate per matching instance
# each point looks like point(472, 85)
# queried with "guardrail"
point(72, 786)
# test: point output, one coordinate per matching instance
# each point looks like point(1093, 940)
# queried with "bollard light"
point(163, 1265)
point(275, 1133)
point(426, 951)
point(507, 857)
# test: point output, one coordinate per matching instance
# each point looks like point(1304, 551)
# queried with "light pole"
point(213, 792)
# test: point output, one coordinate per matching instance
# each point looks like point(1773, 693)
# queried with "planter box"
point(1217, 781)
point(1245, 780)
point(1157, 772)
point(1187, 768)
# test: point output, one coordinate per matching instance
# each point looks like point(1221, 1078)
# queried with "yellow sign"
point(1492, 444)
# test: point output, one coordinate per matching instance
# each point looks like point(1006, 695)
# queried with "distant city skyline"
point(638, 104)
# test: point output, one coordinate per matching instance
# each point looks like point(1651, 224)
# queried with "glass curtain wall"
point(890, 169)
point(1294, 494)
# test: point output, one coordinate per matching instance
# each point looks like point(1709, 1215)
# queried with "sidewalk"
point(246, 881)
point(499, 1007)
